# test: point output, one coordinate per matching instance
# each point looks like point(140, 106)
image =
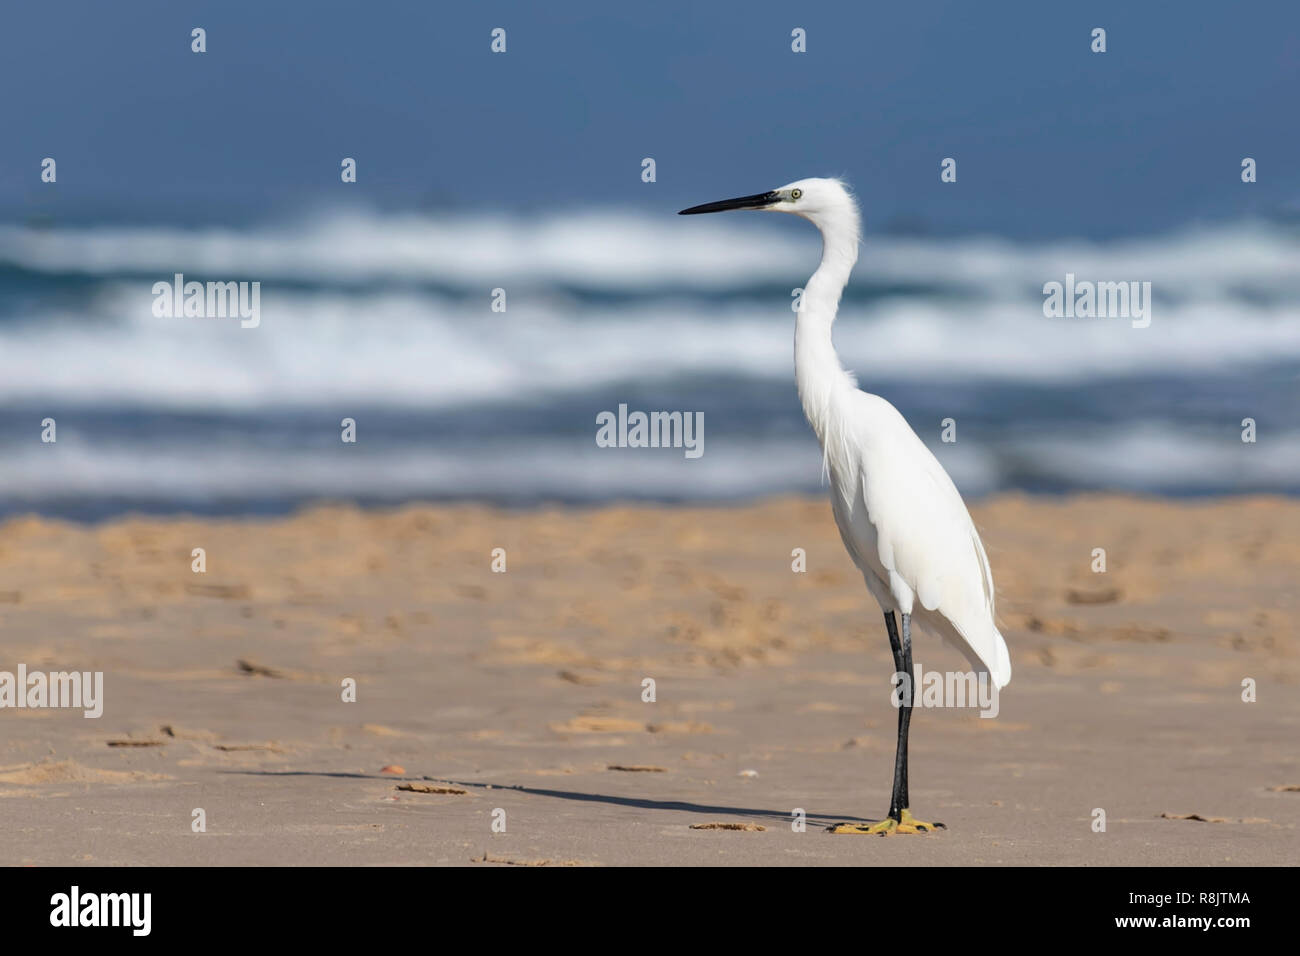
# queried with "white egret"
point(900, 516)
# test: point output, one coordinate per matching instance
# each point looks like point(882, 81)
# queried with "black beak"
point(744, 202)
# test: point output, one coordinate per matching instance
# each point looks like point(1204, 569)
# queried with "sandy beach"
point(480, 691)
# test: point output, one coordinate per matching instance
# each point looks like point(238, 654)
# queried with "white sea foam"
point(1137, 457)
point(618, 250)
point(426, 350)
point(364, 311)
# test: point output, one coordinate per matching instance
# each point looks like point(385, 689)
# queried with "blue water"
point(387, 320)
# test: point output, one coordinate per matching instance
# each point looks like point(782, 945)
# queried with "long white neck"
point(817, 370)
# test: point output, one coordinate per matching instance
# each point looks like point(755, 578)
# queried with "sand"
point(516, 697)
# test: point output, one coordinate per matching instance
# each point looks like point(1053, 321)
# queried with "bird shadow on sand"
point(640, 803)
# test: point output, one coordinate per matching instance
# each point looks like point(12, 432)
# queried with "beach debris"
point(1205, 819)
point(393, 768)
point(748, 827)
point(636, 768)
point(1286, 788)
point(234, 748)
point(257, 670)
point(680, 727)
point(747, 773)
point(136, 743)
point(573, 678)
point(508, 862)
point(430, 788)
point(185, 733)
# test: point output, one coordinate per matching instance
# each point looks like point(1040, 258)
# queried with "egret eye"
point(796, 193)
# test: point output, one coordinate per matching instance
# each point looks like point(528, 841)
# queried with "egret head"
point(825, 202)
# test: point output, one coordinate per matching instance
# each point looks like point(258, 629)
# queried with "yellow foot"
point(908, 824)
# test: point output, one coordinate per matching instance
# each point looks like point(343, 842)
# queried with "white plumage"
point(906, 528)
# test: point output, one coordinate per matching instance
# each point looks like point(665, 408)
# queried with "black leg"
point(902, 665)
point(905, 715)
point(900, 819)
point(895, 645)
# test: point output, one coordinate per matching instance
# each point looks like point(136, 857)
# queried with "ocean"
point(388, 320)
